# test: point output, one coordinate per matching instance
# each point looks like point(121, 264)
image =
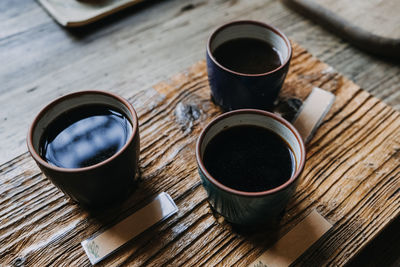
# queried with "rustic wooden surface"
point(352, 178)
point(129, 52)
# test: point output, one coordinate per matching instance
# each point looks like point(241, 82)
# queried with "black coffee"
point(84, 136)
point(248, 55)
point(249, 158)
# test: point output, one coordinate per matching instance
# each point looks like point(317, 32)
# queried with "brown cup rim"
point(216, 183)
point(45, 109)
point(272, 28)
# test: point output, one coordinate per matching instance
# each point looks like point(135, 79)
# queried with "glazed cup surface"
point(233, 90)
point(250, 208)
point(104, 183)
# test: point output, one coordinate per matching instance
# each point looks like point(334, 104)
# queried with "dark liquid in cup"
point(84, 136)
point(248, 55)
point(249, 158)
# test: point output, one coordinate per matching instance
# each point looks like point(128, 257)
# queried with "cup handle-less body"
point(106, 182)
point(242, 207)
point(234, 90)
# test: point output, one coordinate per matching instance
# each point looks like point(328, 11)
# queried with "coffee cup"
point(87, 144)
point(247, 63)
point(249, 174)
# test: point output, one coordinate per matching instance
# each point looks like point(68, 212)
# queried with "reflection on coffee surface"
point(248, 55)
point(249, 158)
point(84, 136)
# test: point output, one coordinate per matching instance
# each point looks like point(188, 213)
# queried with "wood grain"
point(352, 177)
point(130, 51)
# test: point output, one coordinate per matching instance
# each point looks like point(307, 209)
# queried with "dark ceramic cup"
point(234, 90)
point(250, 208)
point(106, 182)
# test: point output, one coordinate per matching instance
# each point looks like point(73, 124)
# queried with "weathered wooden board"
point(352, 177)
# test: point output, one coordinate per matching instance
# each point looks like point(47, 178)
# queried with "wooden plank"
point(352, 177)
point(136, 48)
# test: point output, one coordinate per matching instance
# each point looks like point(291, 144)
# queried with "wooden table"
point(127, 54)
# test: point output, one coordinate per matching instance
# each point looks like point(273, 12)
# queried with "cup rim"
point(58, 100)
point(216, 183)
point(259, 23)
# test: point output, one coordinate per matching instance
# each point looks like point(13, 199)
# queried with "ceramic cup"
point(103, 183)
point(250, 208)
point(234, 90)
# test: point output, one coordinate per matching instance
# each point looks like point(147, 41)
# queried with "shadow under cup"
point(250, 208)
point(235, 90)
point(106, 182)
